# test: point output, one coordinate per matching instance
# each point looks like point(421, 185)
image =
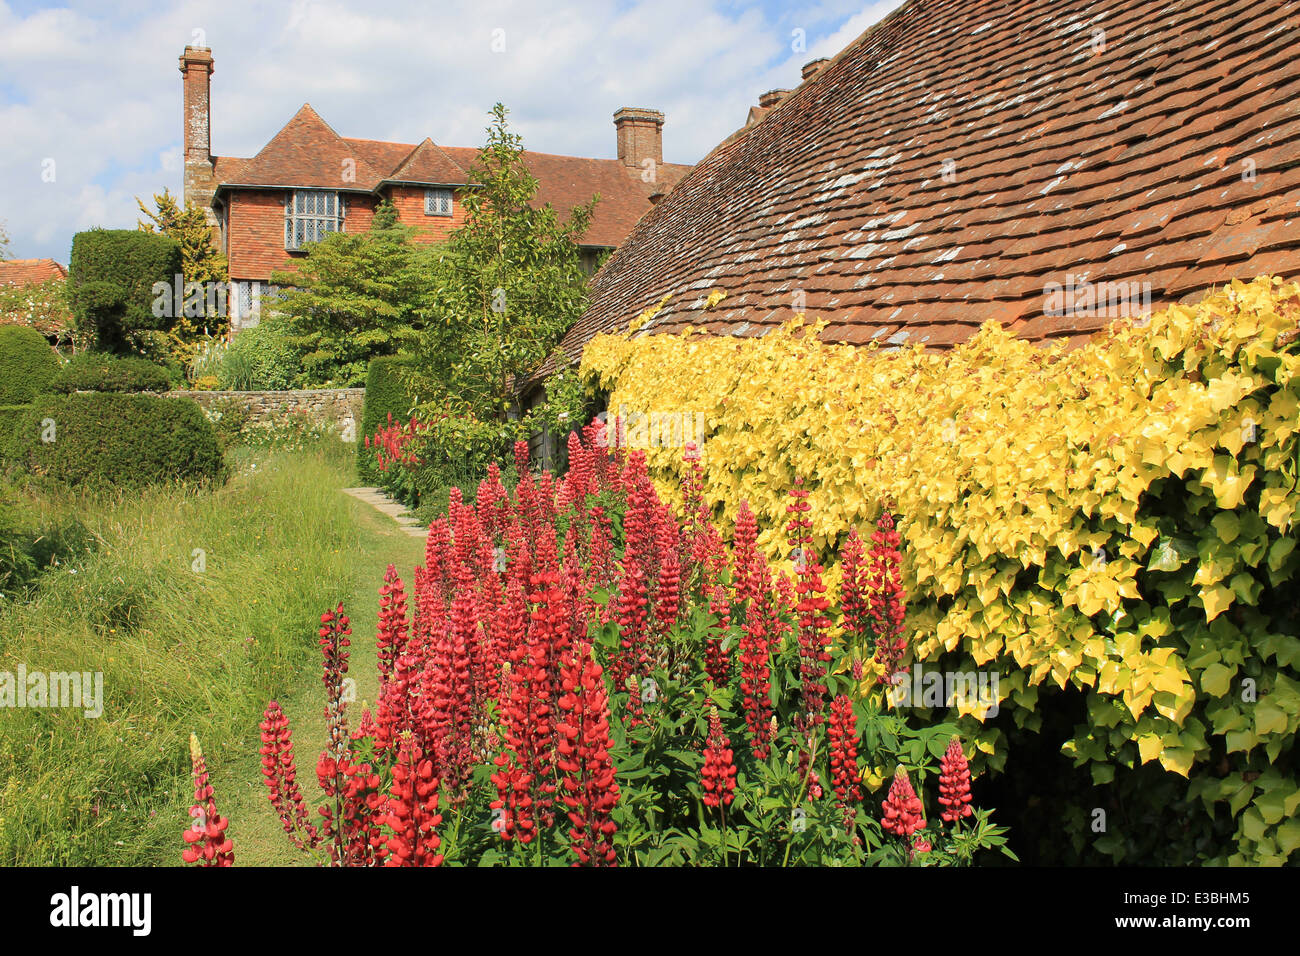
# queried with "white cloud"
point(97, 88)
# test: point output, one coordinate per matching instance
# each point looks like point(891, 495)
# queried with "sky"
point(90, 92)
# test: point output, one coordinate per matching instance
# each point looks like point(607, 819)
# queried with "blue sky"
point(90, 93)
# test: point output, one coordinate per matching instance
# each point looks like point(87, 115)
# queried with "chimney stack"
point(771, 98)
point(200, 182)
point(640, 136)
point(813, 66)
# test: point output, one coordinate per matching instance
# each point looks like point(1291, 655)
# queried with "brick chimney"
point(640, 136)
point(771, 98)
point(200, 180)
point(812, 67)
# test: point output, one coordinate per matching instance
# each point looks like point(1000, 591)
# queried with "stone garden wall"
point(323, 405)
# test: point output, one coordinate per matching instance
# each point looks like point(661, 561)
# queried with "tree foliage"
point(356, 296)
point(201, 261)
point(510, 283)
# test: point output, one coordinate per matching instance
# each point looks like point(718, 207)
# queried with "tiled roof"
point(961, 155)
point(428, 164)
point(307, 152)
point(568, 181)
point(30, 271)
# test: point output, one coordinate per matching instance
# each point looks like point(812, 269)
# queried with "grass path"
point(256, 831)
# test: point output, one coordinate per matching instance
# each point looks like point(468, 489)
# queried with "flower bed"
point(581, 676)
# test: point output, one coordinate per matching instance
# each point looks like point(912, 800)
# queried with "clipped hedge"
point(386, 394)
point(9, 416)
point(111, 277)
point(1110, 530)
point(105, 438)
point(100, 372)
point(27, 363)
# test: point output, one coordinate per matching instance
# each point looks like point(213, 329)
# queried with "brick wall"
point(409, 202)
point(255, 231)
point(255, 234)
point(255, 226)
point(325, 405)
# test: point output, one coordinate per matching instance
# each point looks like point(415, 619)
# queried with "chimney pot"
point(640, 136)
point(814, 66)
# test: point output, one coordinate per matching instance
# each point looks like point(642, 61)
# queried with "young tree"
point(356, 296)
point(510, 283)
point(201, 261)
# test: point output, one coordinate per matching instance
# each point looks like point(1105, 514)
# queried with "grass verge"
point(197, 608)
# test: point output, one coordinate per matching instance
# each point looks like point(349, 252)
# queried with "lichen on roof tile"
point(1127, 143)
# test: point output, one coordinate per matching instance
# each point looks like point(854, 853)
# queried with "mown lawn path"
point(241, 793)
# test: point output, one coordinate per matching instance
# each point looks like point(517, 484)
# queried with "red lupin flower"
point(904, 814)
point(842, 733)
point(886, 607)
point(954, 783)
point(588, 787)
point(280, 772)
point(410, 812)
point(206, 842)
point(718, 775)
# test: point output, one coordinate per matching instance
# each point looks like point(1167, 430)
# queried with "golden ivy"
point(1109, 517)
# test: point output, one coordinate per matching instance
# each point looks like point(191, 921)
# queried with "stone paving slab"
point(381, 502)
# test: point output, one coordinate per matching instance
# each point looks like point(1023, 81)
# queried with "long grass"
point(197, 607)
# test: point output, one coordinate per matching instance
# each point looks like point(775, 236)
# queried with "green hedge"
point(9, 415)
point(101, 372)
point(27, 363)
point(385, 393)
point(111, 277)
point(103, 438)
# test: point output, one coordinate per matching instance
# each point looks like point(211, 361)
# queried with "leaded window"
point(309, 215)
point(437, 202)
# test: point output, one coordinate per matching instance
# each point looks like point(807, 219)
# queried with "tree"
point(510, 283)
point(4, 242)
point(356, 296)
point(201, 261)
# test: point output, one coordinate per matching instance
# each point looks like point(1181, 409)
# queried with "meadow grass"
point(198, 607)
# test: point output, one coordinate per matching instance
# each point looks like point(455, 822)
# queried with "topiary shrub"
point(386, 393)
point(100, 372)
point(105, 438)
point(27, 363)
point(111, 279)
point(9, 415)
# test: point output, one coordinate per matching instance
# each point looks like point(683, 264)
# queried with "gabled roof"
point(30, 271)
point(307, 152)
point(961, 155)
point(428, 164)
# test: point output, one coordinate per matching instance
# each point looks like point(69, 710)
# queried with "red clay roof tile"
point(307, 152)
point(961, 153)
point(30, 271)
